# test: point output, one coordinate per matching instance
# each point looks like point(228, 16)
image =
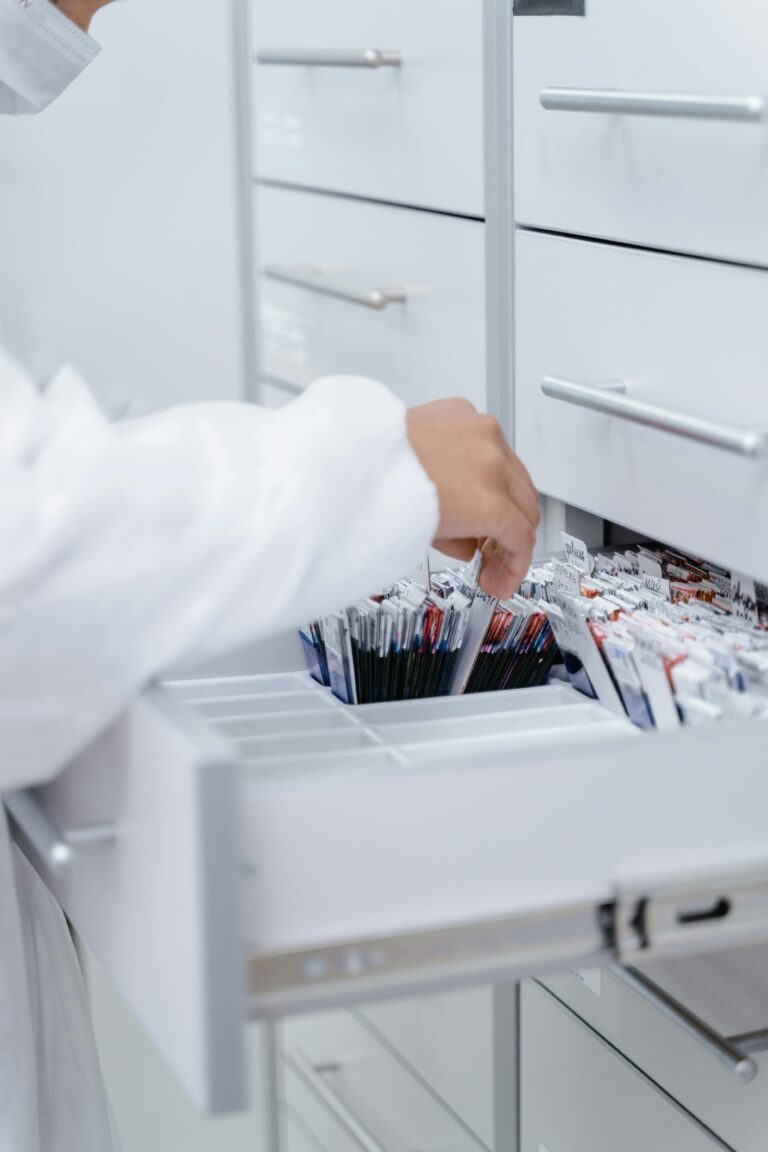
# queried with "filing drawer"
point(577, 1094)
point(428, 345)
point(448, 1040)
point(295, 1136)
point(686, 336)
point(341, 1065)
point(461, 839)
point(674, 181)
point(411, 134)
point(729, 993)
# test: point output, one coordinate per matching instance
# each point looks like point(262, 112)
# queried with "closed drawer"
point(295, 1135)
point(392, 293)
point(448, 1041)
point(692, 177)
point(728, 992)
point(409, 131)
point(577, 1094)
point(334, 1061)
point(685, 336)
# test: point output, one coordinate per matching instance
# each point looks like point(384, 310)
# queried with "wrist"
point(80, 12)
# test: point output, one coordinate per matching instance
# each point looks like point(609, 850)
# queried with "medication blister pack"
point(652, 634)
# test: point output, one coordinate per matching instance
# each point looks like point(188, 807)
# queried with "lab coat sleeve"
point(124, 548)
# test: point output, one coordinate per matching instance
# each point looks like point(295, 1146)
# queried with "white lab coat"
point(123, 548)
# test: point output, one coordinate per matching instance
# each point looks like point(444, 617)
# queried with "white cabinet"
point(577, 1094)
point(727, 993)
point(685, 340)
point(332, 1064)
point(383, 101)
point(382, 850)
point(368, 289)
point(646, 123)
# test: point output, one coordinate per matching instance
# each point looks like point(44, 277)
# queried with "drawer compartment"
point(579, 1095)
point(728, 992)
point(341, 1065)
point(405, 866)
point(448, 1040)
point(365, 289)
point(646, 123)
point(687, 341)
point(383, 101)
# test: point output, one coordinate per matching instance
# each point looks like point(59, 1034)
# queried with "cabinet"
point(579, 1095)
point(383, 102)
point(646, 124)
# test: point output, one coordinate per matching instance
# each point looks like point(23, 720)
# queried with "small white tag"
point(567, 578)
point(591, 978)
point(577, 553)
point(744, 597)
point(649, 567)
point(656, 584)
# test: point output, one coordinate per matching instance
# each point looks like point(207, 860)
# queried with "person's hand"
point(81, 12)
point(485, 494)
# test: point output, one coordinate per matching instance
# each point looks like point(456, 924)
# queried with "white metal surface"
point(673, 182)
point(430, 345)
point(158, 903)
point(578, 1093)
point(411, 134)
point(345, 1065)
point(683, 335)
point(447, 1039)
point(728, 991)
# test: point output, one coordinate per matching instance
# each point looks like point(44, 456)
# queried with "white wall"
point(120, 244)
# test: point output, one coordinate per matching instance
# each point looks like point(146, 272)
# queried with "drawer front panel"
point(579, 1095)
point(691, 177)
point(728, 992)
point(428, 345)
point(365, 1083)
point(448, 1040)
point(685, 336)
point(411, 134)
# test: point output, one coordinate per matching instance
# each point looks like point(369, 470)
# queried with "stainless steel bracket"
point(706, 911)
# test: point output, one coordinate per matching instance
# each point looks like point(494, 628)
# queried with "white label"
point(577, 554)
point(567, 578)
point(281, 130)
point(744, 597)
point(285, 336)
point(591, 978)
point(649, 567)
point(657, 585)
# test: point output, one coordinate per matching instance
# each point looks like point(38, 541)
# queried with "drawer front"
point(410, 133)
point(427, 345)
point(685, 336)
point(728, 992)
point(342, 1065)
point(295, 1135)
point(448, 1041)
point(671, 180)
point(577, 1094)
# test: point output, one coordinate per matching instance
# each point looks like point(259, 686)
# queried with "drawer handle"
point(609, 399)
point(331, 57)
point(319, 1086)
point(617, 101)
point(742, 1066)
point(35, 833)
point(315, 281)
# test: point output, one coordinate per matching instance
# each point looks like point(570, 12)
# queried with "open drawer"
point(385, 849)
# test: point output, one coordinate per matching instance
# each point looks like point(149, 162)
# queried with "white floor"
point(151, 1111)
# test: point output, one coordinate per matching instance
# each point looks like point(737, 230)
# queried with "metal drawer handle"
point(727, 1052)
point(331, 57)
point(608, 398)
point(35, 833)
point(315, 281)
point(666, 104)
point(314, 1079)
